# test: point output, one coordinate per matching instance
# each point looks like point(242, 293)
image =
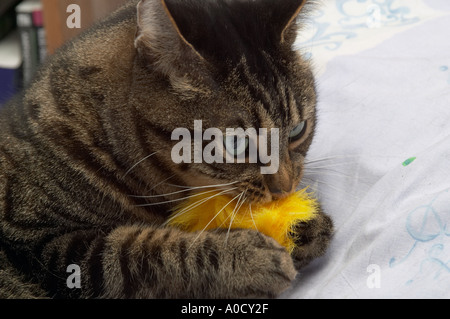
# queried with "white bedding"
point(380, 162)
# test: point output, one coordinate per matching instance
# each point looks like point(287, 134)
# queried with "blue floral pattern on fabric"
point(357, 15)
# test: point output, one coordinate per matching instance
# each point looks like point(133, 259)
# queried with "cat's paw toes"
point(260, 267)
point(312, 239)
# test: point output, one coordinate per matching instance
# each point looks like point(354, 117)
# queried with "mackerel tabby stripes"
point(86, 174)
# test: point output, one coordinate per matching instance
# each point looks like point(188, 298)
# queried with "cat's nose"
point(278, 193)
point(280, 185)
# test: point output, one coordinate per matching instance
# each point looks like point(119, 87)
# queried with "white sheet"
point(383, 71)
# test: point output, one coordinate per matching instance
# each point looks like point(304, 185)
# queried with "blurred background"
point(30, 30)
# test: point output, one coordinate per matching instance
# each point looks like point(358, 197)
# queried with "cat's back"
point(64, 103)
point(74, 81)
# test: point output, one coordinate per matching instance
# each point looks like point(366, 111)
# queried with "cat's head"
point(230, 64)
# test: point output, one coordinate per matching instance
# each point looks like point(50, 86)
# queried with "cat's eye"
point(297, 132)
point(236, 145)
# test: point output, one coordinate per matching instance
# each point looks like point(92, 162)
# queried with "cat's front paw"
point(259, 266)
point(312, 239)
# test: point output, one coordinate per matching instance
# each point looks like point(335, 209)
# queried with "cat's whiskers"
point(180, 199)
point(335, 169)
point(206, 186)
point(212, 219)
point(331, 158)
point(162, 182)
point(310, 182)
point(251, 215)
point(139, 162)
point(317, 186)
point(347, 159)
point(326, 171)
point(334, 173)
point(164, 195)
point(199, 202)
point(236, 209)
point(328, 165)
point(190, 189)
point(233, 209)
point(174, 200)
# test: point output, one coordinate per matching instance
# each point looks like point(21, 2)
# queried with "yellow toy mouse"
point(276, 219)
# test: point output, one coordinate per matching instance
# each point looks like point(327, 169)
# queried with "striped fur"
point(85, 156)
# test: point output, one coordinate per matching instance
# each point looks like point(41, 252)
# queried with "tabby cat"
point(86, 175)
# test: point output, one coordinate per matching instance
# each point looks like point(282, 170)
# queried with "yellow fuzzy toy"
point(276, 219)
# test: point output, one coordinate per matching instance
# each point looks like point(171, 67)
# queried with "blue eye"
point(236, 145)
point(297, 132)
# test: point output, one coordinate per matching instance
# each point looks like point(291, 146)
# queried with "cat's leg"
point(146, 262)
point(312, 239)
point(168, 263)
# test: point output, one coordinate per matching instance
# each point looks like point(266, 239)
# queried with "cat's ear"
point(284, 16)
point(159, 39)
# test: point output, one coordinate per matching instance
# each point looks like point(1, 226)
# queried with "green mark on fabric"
point(409, 161)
